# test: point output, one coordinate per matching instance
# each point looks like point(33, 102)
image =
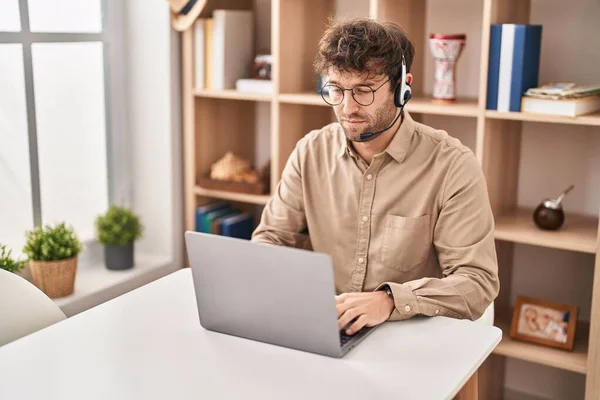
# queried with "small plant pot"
point(54, 278)
point(118, 257)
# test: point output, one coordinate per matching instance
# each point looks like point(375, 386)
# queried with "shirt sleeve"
point(464, 240)
point(283, 221)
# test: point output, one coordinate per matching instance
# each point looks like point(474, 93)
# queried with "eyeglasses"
point(362, 94)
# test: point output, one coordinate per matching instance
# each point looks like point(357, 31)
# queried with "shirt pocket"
point(406, 242)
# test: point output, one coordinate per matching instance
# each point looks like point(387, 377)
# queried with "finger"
point(350, 296)
point(348, 316)
point(348, 303)
point(341, 298)
point(342, 308)
point(360, 323)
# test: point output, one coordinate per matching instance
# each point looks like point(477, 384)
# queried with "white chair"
point(488, 315)
point(24, 308)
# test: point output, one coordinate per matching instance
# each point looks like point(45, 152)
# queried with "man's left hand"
point(368, 308)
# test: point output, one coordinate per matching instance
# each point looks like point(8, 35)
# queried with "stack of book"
point(562, 98)
point(514, 64)
point(221, 218)
point(223, 49)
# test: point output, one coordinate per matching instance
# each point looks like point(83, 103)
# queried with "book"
point(209, 50)
point(240, 226)
point(563, 90)
point(571, 107)
point(203, 49)
point(199, 56)
point(254, 86)
point(514, 62)
point(494, 67)
point(203, 210)
point(211, 216)
point(216, 223)
point(233, 47)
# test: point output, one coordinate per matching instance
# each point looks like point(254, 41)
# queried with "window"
point(56, 132)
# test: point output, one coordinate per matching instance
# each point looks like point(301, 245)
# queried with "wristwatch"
point(389, 292)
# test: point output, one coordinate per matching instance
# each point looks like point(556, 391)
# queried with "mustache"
point(354, 117)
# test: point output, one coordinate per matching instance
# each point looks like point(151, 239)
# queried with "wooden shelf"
point(575, 361)
point(308, 98)
point(232, 196)
point(424, 105)
point(460, 108)
point(232, 94)
point(579, 233)
point(588, 119)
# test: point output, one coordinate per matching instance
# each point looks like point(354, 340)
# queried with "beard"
point(382, 119)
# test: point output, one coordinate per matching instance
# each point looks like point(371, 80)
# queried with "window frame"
point(118, 146)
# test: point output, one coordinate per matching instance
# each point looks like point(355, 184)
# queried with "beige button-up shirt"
point(418, 218)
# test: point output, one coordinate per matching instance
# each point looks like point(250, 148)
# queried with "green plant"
point(52, 243)
point(7, 262)
point(119, 226)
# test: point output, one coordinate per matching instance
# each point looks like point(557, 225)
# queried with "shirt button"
point(361, 260)
point(437, 312)
point(407, 308)
point(365, 218)
point(369, 177)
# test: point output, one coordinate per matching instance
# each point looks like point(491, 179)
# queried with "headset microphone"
point(367, 136)
point(402, 95)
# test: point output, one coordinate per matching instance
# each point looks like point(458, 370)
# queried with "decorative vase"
point(54, 278)
point(118, 257)
point(446, 50)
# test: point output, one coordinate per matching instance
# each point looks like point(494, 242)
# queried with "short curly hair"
point(364, 45)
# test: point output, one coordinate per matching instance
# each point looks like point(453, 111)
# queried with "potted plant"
point(7, 262)
point(117, 230)
point(52, 252)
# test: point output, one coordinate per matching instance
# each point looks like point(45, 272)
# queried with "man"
point(402, 208)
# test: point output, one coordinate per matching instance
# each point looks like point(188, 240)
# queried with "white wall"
point(153, 114)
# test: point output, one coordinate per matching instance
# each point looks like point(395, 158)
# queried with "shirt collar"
point(397, 148)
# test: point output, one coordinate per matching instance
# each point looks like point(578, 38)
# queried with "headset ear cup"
point(402, 95)
point(398, 96)
point(407, 94)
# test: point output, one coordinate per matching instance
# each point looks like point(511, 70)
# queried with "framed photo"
point(544, 322)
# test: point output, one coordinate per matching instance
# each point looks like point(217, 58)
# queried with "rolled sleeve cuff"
point(405, 301)
point(408, 304)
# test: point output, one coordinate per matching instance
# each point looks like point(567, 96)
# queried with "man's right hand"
point(367, 309)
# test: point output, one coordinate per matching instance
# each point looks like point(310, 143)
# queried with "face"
point(356, 118)
point(531, 314)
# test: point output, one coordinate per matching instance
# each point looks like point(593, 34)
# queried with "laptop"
point(267, 293)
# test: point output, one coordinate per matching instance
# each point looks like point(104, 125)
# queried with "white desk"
point(148, 344)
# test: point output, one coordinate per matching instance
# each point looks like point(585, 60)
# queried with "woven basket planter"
point(55, 278)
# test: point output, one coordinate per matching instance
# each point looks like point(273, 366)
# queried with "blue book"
point(526, 62)
point(520, 48)
point(494, 67)
point(239, 226)
point(203, 210)
point(216, 223)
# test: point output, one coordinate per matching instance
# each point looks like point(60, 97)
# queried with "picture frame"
point(544, 322)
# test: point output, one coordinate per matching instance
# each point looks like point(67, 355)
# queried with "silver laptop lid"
point(268, 293)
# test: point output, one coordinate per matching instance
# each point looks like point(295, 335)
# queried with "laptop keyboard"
point(344, 338)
